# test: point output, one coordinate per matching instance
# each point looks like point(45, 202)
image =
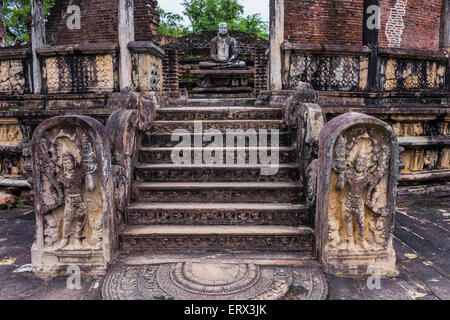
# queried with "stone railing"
point(80, 68)
point(326, 67)
point(349, 69)
point(411, 70)
point(14, 71)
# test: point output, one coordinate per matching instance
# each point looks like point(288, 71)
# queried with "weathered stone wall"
point(340, 22)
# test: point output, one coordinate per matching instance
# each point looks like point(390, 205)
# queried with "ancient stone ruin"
point(222, 141)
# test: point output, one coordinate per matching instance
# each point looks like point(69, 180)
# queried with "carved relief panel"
point(147, 72)
point(73, 193)
point(80, 73)
point(356, 195)
point(13, 77)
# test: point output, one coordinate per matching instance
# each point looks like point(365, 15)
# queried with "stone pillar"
point(126, 35)
point(357, 174)
point(445, 29)
point(276, 40)
point(445, 35)
point(170, 73)
point(76, 223)
point(37, 41)
point(260, 70)
point(371, 25)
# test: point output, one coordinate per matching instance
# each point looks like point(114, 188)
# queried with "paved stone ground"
point(421, 243)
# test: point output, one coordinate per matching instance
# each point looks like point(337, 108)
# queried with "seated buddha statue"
point(223, 53)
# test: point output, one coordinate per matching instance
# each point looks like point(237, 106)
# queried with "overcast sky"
point(251, 7)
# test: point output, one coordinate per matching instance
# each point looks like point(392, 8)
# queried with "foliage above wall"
point(207, 14)
point(17, 20)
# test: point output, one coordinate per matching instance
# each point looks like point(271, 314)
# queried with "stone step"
point(218, 113)
point(232, 102)
point(164, 139)
point(212, 213)
point(215, 173)
point(221, 125)
point(222, 192)
point(164, 155)
point(161, 238)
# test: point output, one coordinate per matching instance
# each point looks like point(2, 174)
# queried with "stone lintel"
point(14, 53)
point(325, 48)
point(146, 47)
point(101, 48)
point(416, 54)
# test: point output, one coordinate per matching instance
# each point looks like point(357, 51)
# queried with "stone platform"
point(421, 245)
point(221, 83)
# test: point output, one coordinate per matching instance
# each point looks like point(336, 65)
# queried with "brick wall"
point(99, 19)
point(340, 22)
point(146, 20)
point(99, 22)
point(421, 23)
point(324, 21)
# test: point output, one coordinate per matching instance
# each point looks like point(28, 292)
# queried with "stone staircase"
point(220, 208)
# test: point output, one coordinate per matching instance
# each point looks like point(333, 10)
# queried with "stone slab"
point(214, 280)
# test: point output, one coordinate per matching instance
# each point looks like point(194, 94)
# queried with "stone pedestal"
point(222, 83)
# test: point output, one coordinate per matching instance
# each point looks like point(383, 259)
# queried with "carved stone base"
point(351, 263)
point(214, 280)
point(47, 261)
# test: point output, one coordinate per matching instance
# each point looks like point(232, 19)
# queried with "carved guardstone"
point(357, 174)
point(73, 194)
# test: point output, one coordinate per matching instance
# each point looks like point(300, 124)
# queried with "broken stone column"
point(74, 196)
point(357, 173)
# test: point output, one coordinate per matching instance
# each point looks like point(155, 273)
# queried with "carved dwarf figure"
point(223, 54)
point(71, 178)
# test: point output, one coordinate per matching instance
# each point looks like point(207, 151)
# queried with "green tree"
point(17, 19)
point(207, 14)
point(171, 24)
